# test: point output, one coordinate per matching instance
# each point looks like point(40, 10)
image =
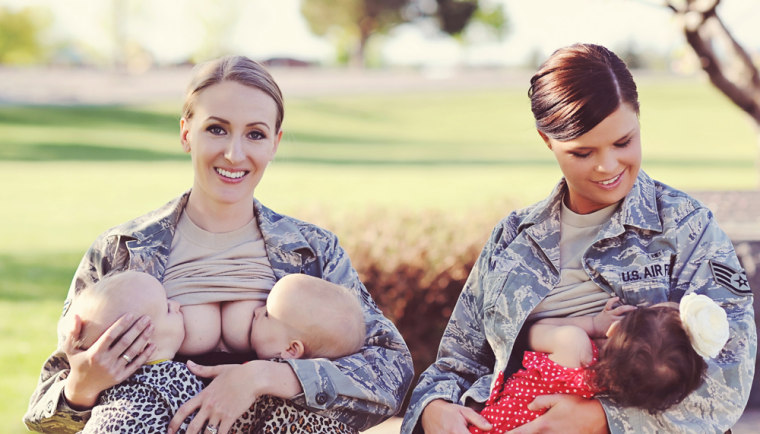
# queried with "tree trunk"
point(725, 61)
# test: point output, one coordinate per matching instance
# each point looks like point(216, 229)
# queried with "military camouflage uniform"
point(360, 390)
point(659, 245)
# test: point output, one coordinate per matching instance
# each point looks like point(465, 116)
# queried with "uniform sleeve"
point(366, 388)
point(707, 264)
point(464, 355)
point(48, 410)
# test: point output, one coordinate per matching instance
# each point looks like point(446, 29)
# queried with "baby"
point(304, 317)
point(653, 358)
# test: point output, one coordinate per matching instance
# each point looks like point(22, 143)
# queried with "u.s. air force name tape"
point(735, 281)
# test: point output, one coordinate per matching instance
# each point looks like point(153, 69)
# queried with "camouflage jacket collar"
point(150, 236)
point(639, 209)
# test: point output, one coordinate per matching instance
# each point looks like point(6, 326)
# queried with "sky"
point(173, 29)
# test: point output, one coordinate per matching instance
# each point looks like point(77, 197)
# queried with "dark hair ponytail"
point(577, 87)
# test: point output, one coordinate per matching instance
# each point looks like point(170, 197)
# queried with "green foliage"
point(351, 23)
point(414, 263)
point(20, 32)
point(494, 18)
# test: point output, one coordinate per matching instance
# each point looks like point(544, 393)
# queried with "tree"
point(20, 32)
point(354, 22)
point(725, 61)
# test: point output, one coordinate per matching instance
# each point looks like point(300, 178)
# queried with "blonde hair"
point(239, 69)
point(98, 306)
point(330, 317)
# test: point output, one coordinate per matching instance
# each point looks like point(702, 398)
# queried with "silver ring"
point(212, 429)
point(127, 358)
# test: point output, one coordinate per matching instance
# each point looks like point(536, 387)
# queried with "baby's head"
point(649, 360)
point(101, 304)
point(307, 317)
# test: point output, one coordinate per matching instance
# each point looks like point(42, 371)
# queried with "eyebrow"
point(225, 121)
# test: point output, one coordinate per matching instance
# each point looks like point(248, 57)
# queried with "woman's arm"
point(702, 248)
point(366, 388)
point(233, 390)
point(464, 355)
point(49, 410)
point(567, 345)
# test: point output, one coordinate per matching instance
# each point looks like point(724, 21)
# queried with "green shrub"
point(414, 264)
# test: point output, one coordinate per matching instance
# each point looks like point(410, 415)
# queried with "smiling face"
point(231, 137)
point(600, 166)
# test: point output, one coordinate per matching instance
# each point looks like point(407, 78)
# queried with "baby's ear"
point(295, 350)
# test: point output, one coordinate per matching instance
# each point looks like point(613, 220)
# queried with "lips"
point(612, 182)
point(233, 175)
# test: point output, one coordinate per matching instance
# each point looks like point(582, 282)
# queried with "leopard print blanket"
point(146, 402)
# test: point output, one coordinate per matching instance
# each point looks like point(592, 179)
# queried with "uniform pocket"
point(495, 280)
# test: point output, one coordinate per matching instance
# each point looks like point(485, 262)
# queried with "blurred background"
point(407, 131)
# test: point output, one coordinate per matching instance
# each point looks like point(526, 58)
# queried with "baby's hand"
point(613, 311)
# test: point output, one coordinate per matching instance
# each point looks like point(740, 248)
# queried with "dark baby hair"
point(649, 362)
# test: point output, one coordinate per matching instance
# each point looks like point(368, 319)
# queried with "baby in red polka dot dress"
point(651, 358)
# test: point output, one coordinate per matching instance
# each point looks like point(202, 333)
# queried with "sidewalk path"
point(71, 86)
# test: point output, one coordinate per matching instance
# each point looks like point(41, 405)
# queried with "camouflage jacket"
point(659, 245)
point(360, 390)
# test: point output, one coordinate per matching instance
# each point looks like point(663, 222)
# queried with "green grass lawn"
point(68, 173)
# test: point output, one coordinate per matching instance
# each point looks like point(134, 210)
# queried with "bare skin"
point(103, 365)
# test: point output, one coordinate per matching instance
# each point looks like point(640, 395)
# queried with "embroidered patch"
point(735, 281)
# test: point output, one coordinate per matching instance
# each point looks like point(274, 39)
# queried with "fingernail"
point(190, 362)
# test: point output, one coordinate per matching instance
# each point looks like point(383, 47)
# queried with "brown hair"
point(239, 69)
point(649, 362)
point(577, 87)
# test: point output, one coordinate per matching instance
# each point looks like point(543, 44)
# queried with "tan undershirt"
point(206, 267)
point(576, 294)
point(219, 279)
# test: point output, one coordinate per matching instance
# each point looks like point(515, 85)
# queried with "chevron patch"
point(735, 281)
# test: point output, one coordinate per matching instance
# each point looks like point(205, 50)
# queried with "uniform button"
point(321, 398)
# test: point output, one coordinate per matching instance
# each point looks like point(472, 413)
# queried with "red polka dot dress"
point(507, 407)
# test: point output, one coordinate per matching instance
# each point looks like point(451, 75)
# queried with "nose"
point(234, 151)
point(607, 162)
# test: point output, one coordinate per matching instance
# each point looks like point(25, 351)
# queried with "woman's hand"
point(613, 311)
point(116, 355)
point(444, 417)
point(565, 414)
point(234, 389)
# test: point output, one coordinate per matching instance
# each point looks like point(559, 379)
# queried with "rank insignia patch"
point(735, 281)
